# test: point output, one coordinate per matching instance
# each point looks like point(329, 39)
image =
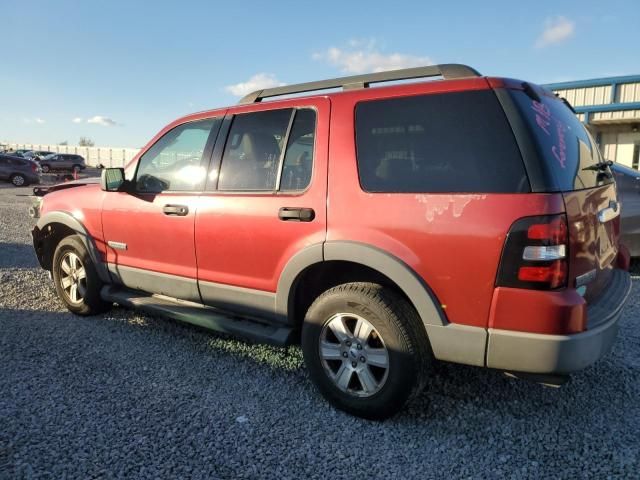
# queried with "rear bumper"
point(562, 354)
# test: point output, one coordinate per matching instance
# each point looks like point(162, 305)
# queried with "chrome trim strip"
point(117, 245)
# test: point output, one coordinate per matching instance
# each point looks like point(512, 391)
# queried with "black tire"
point(45, 168)
point(397, 326)
point(76, 169)
point(90, 302)
point(18, 180)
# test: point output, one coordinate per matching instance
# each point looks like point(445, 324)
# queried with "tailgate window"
point(452, 142)
point(571, 158)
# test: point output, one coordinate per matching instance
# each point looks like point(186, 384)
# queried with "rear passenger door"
point(265, 202)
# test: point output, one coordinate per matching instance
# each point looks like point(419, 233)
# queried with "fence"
point(107, 156)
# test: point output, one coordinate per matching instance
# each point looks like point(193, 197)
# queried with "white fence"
point(107, 156)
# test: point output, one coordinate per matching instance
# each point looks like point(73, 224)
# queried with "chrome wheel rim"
point(353, 354)
point(18, 181)
point(73, 277)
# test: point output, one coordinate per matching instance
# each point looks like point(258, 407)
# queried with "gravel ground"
point(126, 395)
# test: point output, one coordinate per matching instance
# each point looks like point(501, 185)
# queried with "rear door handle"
point(175, 210)
point(296, 214)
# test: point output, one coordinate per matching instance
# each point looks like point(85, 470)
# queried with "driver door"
point(149, 229)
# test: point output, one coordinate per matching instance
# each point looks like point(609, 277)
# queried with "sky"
point(118, 71)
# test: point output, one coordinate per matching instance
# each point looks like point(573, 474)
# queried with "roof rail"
point(447, 71)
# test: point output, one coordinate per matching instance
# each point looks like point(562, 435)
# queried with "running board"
point(197, 314)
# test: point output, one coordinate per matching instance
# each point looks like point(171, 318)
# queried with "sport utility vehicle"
point(62, 161)
point(469, 219)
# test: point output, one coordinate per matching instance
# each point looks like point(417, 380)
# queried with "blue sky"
point(118, 71)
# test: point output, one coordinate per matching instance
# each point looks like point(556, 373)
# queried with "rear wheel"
point(76, 279)
point(365, 349)
point(18, 180)
point(76, 169)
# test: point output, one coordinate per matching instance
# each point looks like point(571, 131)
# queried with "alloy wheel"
point(353, 354)
point(73, 277)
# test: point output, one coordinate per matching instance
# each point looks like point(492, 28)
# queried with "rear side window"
point(454, 142)
point(567, 150)
point(255, 158)
point(250, 159)
point(298, 159)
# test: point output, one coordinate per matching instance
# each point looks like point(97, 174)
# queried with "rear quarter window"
point(453, 142)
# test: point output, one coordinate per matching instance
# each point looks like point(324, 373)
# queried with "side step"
point(198, 314)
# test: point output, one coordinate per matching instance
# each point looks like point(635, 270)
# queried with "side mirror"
point(112, 179)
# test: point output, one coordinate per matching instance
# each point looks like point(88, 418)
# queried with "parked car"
point(383, 228)
point(628, 182)
point(62, 162)
point(17, 153)
point(19, 171)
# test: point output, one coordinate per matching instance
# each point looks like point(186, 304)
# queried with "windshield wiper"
point(599, 166)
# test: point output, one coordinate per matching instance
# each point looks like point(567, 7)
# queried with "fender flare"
point(418, 292)
point(68, 220)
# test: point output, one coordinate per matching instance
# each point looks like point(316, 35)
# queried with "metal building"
point(610, 107)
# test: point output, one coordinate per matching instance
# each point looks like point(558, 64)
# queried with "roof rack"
point(447, 71)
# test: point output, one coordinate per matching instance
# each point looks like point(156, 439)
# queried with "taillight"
point(34, 167)
point(535, 254)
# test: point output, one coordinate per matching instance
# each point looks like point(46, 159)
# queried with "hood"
point(42, 191)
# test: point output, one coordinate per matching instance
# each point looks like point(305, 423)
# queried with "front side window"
point(439, 143)
point(175, 162)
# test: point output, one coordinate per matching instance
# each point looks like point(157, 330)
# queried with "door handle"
point(175, 210)
point(296, 214)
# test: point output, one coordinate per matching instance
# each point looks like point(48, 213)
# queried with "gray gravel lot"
point(126, 395)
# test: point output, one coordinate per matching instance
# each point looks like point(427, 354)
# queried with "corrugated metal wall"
point(580, 97)
point(628, 92)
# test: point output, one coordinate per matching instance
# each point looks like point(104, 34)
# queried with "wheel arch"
point(374, 260)
point(449, 341)
point(52, 227)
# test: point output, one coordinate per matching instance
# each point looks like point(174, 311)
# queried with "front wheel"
point(45, 168)
point(76, 279)
point(365, 349)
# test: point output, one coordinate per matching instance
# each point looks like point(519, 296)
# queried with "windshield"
point(572, 159)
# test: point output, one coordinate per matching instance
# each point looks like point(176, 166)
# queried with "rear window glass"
point(453, 142)
point(568, 151)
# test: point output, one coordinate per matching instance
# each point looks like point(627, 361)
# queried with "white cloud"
point(77, 120)
point(362, 56)
point(100, 120)
point(556, 30)
point(37, 120)
point(258, 82)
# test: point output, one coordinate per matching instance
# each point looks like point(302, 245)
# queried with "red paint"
point(537, 311)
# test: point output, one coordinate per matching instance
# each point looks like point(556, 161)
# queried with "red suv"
point(468, 219)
